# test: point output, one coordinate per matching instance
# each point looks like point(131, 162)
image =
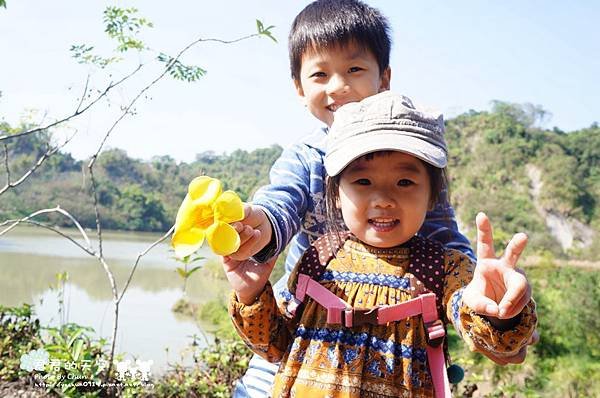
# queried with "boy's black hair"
point(332, 23)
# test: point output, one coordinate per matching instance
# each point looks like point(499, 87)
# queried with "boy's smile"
point(332, 77)
point(384, 197)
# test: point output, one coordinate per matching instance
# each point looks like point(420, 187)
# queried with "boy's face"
point(384, 200)
point(332, 77)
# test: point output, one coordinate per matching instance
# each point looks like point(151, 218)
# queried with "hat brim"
point(337, 159)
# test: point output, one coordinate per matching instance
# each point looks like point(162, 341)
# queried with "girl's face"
point(384, 200)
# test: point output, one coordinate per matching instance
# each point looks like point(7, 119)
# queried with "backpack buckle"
point(434, 332)
point(360, 316)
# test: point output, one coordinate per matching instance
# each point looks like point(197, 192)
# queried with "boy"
point(339, 53)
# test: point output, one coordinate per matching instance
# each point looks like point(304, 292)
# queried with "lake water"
point(31, 257)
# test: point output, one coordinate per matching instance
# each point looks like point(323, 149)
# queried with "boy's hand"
point(255, 232)
point(498, 289)
point(247, 278)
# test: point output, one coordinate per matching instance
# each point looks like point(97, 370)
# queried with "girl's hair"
point(338, 23)
point(438, 183)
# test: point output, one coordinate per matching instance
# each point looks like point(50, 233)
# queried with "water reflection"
point(30, 259)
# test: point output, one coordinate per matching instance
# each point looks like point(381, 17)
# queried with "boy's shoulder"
point(314, 140)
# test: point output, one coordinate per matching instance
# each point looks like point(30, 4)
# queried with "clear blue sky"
point(453, 56)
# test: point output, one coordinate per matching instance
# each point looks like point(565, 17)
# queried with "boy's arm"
point(440, 225)
point(285, 200)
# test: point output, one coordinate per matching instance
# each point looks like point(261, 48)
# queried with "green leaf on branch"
point(179, 71)
point(124, 26)
point(3, 3)
point(83, 54)
point(186, 274)
point(265, 31)
point(196, 268)
point(181, 272)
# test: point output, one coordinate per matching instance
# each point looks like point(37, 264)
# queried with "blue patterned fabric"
point(392, 281)
point(456, 301)
point(357, 340)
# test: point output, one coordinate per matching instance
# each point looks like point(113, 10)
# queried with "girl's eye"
point(404, 182)
point(354, 69)
point(363, 181)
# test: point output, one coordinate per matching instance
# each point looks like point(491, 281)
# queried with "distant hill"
point(543, 182)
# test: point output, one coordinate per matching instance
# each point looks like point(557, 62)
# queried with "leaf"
point(181, 272)
point(76, 352)
point(265, 31)
point(196, 268)
point(53, 348)
point(74, 337)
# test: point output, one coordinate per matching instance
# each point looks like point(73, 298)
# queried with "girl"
point(364, 308)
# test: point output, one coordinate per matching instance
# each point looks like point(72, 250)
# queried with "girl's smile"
point(383, 224)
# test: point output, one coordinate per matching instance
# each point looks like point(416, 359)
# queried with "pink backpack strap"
point(335, 305)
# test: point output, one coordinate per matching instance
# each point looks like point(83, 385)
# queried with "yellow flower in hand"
point(206, 212)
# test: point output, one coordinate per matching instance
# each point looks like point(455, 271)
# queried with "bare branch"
point(56, 209)
point(6, 164)
point(85, 89)
point(97, 211)
point(140, 255)
point(46, 155)
point(88, 250)
point(77, 112)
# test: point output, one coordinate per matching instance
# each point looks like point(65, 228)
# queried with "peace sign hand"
point(498, 289)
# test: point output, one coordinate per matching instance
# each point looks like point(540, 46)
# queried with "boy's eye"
point(318, 74)
point(362, 181)
point(404, 182)
point(355, 69)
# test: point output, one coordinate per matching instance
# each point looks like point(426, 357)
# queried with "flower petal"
point(186, 214)
point(187, 241)
point(204, 189)
point(228, 207)
point(222, 238)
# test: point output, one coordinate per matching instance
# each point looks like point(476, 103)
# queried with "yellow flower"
point(206, 213)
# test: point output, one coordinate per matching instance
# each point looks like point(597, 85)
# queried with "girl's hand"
point(247, 278)
point(498, 289)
